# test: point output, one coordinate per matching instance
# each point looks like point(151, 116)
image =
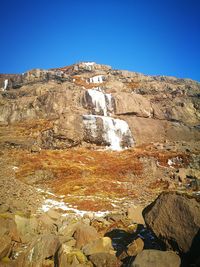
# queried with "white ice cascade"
point(5, 84)
point(114, 133)
point(102, 103)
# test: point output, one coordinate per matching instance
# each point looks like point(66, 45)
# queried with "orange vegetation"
point(91, 179)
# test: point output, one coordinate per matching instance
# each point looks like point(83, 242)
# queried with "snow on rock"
point(88, 63)
point(96, 79)
point(105, 130)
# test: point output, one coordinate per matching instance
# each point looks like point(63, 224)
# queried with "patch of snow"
point(96, 79)
point(170, 162)
point(89, 63)
point(50, 203)
point(30, 256)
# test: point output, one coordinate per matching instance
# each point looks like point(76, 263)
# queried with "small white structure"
point(96, 79)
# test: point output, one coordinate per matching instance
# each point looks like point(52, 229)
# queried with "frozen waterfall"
point(114, 133)
point(99, 127)
point(5, 84)
point(100, 102)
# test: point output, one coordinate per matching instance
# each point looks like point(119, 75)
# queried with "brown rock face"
point(175, 218)
point(157, 109)
point(101, 245)
point(85, 234)
point(104, 260)
point(136, 247)
point(156, 258)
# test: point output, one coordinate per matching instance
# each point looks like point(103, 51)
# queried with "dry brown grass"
point(102, 175)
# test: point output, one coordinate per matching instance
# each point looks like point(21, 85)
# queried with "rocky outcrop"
point(175, 218)
point(155, 108)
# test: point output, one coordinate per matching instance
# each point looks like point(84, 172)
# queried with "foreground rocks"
point(49, 239)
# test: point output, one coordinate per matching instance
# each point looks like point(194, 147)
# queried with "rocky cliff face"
point(64, 191)
point(156, 109)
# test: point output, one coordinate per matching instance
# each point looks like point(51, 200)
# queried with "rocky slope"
point(62, 138)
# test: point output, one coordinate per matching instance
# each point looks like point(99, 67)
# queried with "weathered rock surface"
point(104, 260)
point(101, 245)
point(85, 234)
point(175, 218)
point(136, 247)
point(156, 108)
point(156, 258)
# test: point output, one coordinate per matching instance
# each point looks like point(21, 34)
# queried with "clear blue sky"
point(158, 37)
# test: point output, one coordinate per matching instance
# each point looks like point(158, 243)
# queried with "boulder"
point(104, 260)
point(156, 258)
point(85, 234)
point(101, 245)
point(133, 104)
point(42, 248)
point(175, 218)
point(5, 246)
point(136, 247)
point(26, 227)
point(135, 214)
point(71, 257)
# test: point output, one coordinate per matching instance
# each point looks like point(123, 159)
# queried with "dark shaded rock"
point(175, 218)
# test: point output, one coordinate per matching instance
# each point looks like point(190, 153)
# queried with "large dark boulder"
point(175, 218)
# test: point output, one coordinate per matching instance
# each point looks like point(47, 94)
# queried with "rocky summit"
point(99, 167)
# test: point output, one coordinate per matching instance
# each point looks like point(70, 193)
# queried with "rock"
point(53, 214)
point(184, 173)
point(136, 247)
point(175, 218)
point(101, 245)
point(134, 104)
point(135, 214)
point(68, 230)
point(104, 260)
point(26, 227)
point(4, 208)
point(84, 234)
point(5, 246)
point(71, 257)
point(9, 227)
point(156, 258)
point(42, 248)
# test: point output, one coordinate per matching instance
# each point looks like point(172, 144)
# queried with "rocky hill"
point(83, 150)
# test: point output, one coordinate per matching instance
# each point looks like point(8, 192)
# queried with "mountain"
point(87, 144)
